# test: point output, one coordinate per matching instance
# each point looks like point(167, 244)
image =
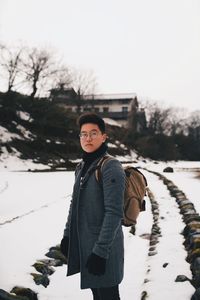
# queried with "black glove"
point(64, 246)
point(96, 265)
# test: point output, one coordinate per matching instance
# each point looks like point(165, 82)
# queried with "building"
point(119, 107)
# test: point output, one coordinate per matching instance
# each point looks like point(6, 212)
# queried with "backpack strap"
point(100, 165)
point(78, 167)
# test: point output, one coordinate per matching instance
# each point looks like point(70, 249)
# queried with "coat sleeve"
point(66, 230)
point(113, 182)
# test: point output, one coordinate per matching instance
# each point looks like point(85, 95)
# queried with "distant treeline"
point(166, 134)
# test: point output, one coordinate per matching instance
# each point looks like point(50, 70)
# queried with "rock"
point(156, 212)
point(43, 268)
point(154, 206)
point(155, 229)
point(146, 280)
point(7, 296)
point(133, 229)
point(191, 227)
point(152, 248)
point(51, 262)
point(153, 241)
point(194, 217)
point(168, 182)
point(156, 218)
point(195, 241)
point(192, 255)
point(168, 170)
point(165, 265)
point(192, 240)
point(40, 279)
point(145, 236)
point(57, 247)
point(25, 292)
point(144, 295)
point(181, 278)
point(187, 206)
point(56, 254)
point(152, 253)
point(186, 201)
point(181, 195)
point(187, 212)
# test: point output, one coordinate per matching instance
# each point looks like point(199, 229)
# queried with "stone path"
point(162, 225)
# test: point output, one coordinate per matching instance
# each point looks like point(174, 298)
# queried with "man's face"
point(91, 138)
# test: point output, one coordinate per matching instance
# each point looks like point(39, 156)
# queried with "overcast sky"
point(148, 47)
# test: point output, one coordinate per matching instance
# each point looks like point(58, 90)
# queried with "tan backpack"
point(135, 191)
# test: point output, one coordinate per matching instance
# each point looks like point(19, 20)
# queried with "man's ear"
point(105, 137)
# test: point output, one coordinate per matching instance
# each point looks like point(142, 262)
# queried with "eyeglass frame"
point(84, 135)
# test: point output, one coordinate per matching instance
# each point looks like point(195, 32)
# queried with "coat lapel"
point(90, 171)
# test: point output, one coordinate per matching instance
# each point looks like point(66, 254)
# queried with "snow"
point(111, 96)
point(26, 133)
point(171, 226)
point(13, 162)
point(24, 116)
point(110, 145)
point(34, 208)
point(112, 122)
point(6, 136)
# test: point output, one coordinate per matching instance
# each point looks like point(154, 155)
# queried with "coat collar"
point(91, 168)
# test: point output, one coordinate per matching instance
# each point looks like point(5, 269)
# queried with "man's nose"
point(88, 137)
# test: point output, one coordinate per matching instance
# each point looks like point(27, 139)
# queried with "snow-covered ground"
point(34, 208)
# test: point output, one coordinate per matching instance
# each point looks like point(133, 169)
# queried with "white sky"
point(150, 47)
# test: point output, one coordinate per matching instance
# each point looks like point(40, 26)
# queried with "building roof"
point(110, 96)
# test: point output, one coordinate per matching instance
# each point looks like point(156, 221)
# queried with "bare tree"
point(84, 83)
point(158, 121)
point(10, 61)
point(165, 120)
point(39, 68)
point(177, 122)
point(194, 125)
point(63, 79)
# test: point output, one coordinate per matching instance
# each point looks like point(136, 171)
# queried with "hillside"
point(42, 133)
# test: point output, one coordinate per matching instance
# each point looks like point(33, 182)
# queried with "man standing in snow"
point(93, 239)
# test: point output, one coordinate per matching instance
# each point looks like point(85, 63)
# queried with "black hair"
point(93, 118)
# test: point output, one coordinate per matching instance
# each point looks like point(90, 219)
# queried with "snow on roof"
point(111, 96)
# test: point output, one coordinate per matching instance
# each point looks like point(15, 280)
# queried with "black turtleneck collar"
point(88, 158)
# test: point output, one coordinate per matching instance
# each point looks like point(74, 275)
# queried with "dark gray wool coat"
point(94, 224)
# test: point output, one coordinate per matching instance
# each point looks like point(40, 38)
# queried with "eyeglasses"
point(91, 134)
